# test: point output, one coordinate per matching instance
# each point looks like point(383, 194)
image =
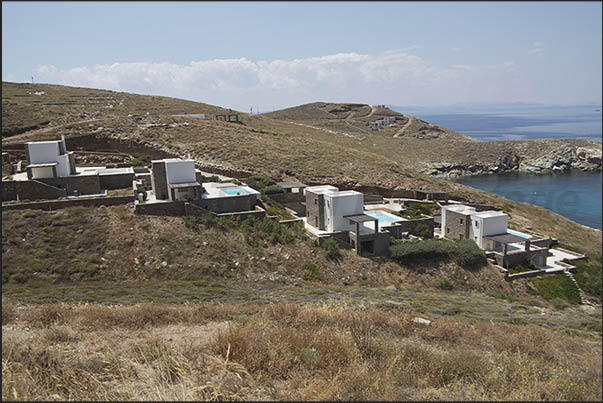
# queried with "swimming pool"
point(384, 218)
point(235, 190)
point(521, 234)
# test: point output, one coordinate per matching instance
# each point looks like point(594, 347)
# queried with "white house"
point(49, 159)
point(175, 179)
point(464, 222)
point(326, 207)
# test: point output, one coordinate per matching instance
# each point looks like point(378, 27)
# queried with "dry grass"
point(286, 352)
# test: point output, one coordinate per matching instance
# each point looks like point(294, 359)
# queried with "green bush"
point(208, 220)
point(273, 189)
point(414, 250)
point(424, 231)
point(236, 182)
point(141, 161)
point(311, 272)
point(262, 182)
point(468, 255)
point(444, 284)
point(267, 229)
point(332, 248)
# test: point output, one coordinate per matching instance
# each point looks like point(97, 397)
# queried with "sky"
point(271, 55)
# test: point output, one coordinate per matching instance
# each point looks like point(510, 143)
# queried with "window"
point(461, 220)
point(448, 230)
point(461, 236)
point(477, 224)
point(315, 201)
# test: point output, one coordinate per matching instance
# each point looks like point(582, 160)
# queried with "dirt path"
point(17, 138)
point(328, 130)
point(401, 131)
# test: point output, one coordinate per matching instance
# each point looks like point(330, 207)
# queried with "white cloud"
point(394, 76)
point(537, 48)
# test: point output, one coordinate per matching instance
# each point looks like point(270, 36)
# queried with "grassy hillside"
point(283, 352)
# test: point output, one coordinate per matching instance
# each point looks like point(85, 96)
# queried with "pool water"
point(383, 216)
point(526, 236)
point(234, 190)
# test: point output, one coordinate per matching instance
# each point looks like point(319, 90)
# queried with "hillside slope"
point(286, 149)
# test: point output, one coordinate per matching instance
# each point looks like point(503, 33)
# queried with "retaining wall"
point(30, 190)
point(288, 197)
point(59, 204)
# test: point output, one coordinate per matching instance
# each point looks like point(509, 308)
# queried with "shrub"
point(262, 182)
point(468, 255)
point(273, 189)
point(424, 231)
point(141, 161)
point(413, 250)
point(444, 284)
point(332, 249)
point(312, 272)
point(236, 182)
point(208, 220)
point(269, 230)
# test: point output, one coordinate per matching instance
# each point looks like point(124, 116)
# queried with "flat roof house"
point(51, 173)
point(175, 179)
point(330, 211)
point(49, 159)
point(489, 230)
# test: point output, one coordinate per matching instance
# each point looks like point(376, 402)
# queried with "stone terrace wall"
point(288, 197)
point(116, 181)
point(59, 204)
point(175, 208)
point(30, 190)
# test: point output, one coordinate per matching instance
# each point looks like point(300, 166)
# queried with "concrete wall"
point(380, 242)
point(180, 171)
point(116, 181)
point(59, 204)
point(43, 152)
point(42, 172)
point(337, 206)
point(518, 257)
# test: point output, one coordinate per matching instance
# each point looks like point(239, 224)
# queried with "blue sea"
point(575, 195)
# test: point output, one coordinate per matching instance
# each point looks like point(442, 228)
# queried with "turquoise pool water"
point(510, 231)
point(234, 190)
point(383, 216)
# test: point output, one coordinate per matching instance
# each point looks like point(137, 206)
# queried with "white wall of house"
point(340, 204)
point(489, 225)
point(180, 171)
point(41, 152)
point(42, 172)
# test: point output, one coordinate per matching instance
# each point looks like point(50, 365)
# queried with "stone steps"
point(583, 297)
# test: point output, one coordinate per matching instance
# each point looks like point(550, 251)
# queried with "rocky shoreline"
point(564, 159)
